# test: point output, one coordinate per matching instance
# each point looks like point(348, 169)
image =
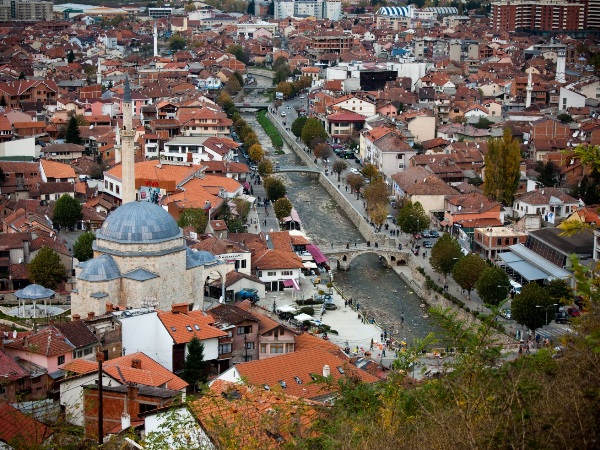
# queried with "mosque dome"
point(102, 268)
point(195, 258)
point(139, 222)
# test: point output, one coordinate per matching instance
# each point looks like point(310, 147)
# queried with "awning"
point(302, 317)
point(287, 308)
point(246, 185)
point(317, 255)
point(293, 217)
point(291, 283)
point(309, 265)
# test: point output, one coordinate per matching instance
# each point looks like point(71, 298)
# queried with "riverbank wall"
point(330, 185)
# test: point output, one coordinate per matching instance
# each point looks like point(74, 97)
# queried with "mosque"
point(140, 256)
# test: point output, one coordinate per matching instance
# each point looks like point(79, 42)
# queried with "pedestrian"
point(371, 347)
point(537, 338)
point(345, 303)
point(527, 348)
point(332, 246)
point(383, 351)
point(346, 188)
point(381, 337)
point(402, 319)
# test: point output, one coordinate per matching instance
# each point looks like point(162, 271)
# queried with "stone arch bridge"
point(342, 257)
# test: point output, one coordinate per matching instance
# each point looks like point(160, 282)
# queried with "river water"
point(379, 290)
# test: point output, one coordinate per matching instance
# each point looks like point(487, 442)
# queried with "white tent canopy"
point(302, 317)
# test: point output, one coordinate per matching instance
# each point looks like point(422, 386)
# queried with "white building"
point(320, 9)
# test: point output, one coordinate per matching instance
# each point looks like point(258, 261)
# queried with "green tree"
point(548, 173)
point(238, 76)
point(467, 271)
point(565, 118)
point(559, 291)
point(250, 9)
point(412, 218)
point(67, 212)
point(82, 248)
point(72, 135)
point(313, 128)
point(338, 167)
point(265, 167)
point(275, 188)
point(298, 125)
point(242, 207)
point(282, 207)
point(271, 8)
point(3, 101)
point(195, 368)
point(46, 269)
point(280, 63)
point(589, 155)
point(356, 182)
point(70, 57)
point(239, 52)
point(177, 42)
point(493, 286)
point(483, 123)
point(529, 307)
point(445, 254)
point(197, 218)
point(502, 171)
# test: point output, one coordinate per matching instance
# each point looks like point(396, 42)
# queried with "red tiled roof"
point(20, 430)
point(47, 342)
point(182, 327)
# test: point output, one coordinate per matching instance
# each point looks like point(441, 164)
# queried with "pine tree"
point(195, 369)
point(502, 171)
point(70, 57)
point(72, 133)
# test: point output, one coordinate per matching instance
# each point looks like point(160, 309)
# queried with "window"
point(249, 345)
point(245, 329)
point(118, 190)
point(145, 407)
point(21, 383)
point(271, 274)
point(263, 348)
point(289, 348)
point(286, 272)
point(2, 389)
point(224, 348)
point(61, 359)
point(88, 351)
point(276, 348)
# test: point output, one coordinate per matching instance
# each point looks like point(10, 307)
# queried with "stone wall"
point(353, 214)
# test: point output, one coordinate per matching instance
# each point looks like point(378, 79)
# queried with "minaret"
point(155, 40)
point(98, 73)
point(561, 65)
point(127, 148)
point(529, 89)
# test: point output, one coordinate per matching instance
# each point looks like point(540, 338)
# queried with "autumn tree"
point(376, 194)
point(275, 188)
point(493, 286)
point(197, 218)
point(232, 86)
point(67, 212)
point(412, 218)
point(298, 124)
point(369, 171)
point(338, 167)
point(323, 151)
point(356, 182)
point(256, 153)
point(46, 269)
point(82, 248)
point(467, 271)
point(560, 291)
point(502, 168)
point(265, 167)
point(282, 207)
point(445, 254)
point(378, 213)
point(312, 128)
point(285, 88)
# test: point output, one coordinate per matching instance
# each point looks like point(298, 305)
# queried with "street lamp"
point(546, 308)
point(418, 223)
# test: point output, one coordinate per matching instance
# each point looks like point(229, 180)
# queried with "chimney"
point(326, 371)
point(179, 308)
point(109, 307)
point(229, 248)
point(132, 390)
point(136, 363)
point(76, 317)
point(91, 315)
point(125, 421)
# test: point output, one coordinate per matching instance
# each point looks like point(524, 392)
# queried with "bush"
point(308, 310)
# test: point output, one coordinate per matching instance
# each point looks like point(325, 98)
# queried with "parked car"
point(283, 114)
point(426, 233)
point(353, 170)
point(427, 244)
point(434, 234)
point(506, 313)
point(248, 294)
point(562, 317)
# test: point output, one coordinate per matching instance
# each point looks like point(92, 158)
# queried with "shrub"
point(307, 310)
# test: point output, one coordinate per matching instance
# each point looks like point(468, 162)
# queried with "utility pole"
point(100, 359)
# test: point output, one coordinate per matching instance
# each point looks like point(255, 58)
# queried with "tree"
point(285, 88)
point(232, 86)
point(467, 271)
point(502, 171)
point(338, 167)
point(3, 101)
point(445, 254)
point(251, 139)
point(238, 76)
point(176, 42)
point(529, 307)
point(195, 368)
point(256, 153)
point(483, 123)
point(250, 9)
point(493, 286)
point(559, 291)
point(282, 207)
point(271, 8)
point(265, 167)
point(412, 218)
point(280, 63)
point(323, 151)
point(313, 128)
point(378, 213)
point(46, 269)
point(82, 248)
point(565, 118)
point(356, 182)
point(197, 218)
point(72, 133)
point(369, 171)
point(548, 173)
point(298, 124)
point(376, 194)
point(242, 207)
point(275, 188)
point(70, 57)
point(67, 212)
point(239, 52)
point(2, 176)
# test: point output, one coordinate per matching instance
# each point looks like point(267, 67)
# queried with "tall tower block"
point(561, 65)
point(128, 148)
point(155, 40)
point(529, 90)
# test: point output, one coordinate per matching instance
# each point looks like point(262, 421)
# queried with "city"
point(300, 223)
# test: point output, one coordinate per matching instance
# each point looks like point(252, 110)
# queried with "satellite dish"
point(14, 334)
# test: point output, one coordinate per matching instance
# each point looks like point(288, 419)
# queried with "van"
point(515, 287)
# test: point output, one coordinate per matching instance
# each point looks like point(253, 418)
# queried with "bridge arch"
point(343, 259)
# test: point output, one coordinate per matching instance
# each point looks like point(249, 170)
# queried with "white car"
point(354, 171)
point(302, 96)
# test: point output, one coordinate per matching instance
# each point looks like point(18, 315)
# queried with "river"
point(379, 290)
